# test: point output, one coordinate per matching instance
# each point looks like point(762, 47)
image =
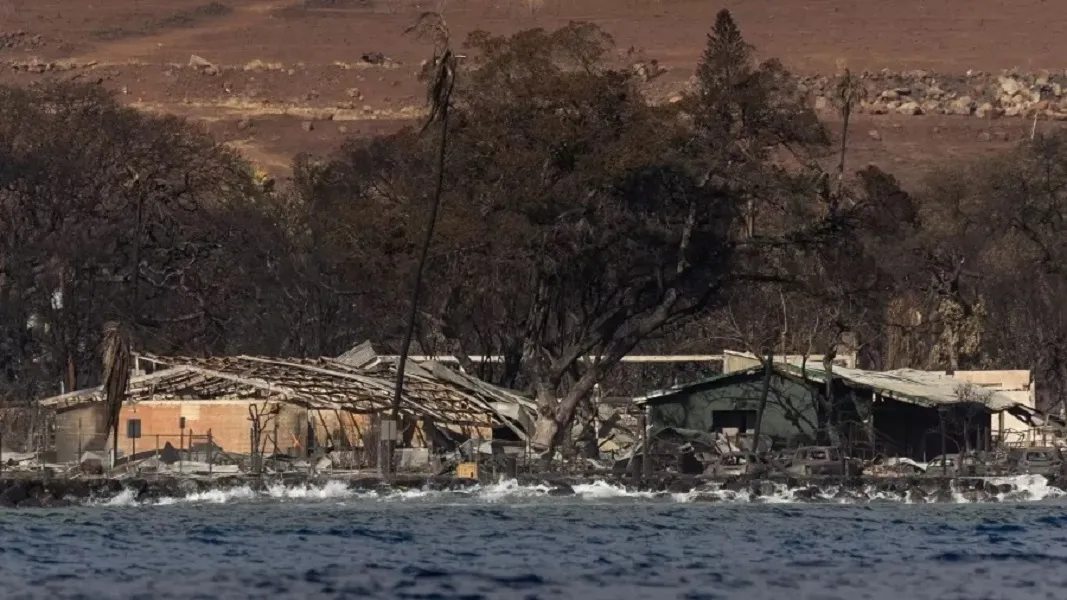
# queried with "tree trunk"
point(865, 409)
point(828, 393)
point(554, 417)
point(72, 375)
point(768, 371)
point(944, 442)
point(547, 376)
point(546, 431)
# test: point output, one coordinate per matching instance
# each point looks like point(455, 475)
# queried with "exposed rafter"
point(322, 383)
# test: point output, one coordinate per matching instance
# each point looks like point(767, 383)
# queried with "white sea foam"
point(331, 489)
point(1018, 488)
point(1028, 487)
point(1021, 488)
point(126, 497)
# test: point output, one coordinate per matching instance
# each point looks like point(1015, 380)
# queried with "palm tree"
point(442, 79)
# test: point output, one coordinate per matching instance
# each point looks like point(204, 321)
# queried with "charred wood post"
point(944, 442)
point(768, 371)
point(834, 418)
point(967, 432)
point(641, 464)
point(635, 465)
point(253, 418)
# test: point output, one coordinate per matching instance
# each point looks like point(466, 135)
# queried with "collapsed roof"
point(929, 389)
point(356, 382)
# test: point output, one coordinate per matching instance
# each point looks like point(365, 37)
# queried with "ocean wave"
point(1021, 488)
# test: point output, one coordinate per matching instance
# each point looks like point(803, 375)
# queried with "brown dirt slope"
point(287, 75)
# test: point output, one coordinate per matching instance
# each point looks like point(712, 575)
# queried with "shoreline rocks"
point(30, 492)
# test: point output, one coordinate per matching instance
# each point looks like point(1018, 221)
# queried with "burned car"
point(968, 464)
point(1037, 461)
point(732, 464)
point(822, 461)
point(943, 464)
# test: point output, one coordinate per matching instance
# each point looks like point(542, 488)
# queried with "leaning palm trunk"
point(116, 354)
point(442, 82)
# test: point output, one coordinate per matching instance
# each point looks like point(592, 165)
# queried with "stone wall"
point(978, 94)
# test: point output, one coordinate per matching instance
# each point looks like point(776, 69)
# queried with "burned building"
point(265, 405)
point(908, 413)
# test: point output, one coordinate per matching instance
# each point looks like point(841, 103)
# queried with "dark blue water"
point(332, 544)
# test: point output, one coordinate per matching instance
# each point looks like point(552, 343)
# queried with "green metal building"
point(893, 413)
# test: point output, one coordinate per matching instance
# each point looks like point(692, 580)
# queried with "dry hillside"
point(275, 77)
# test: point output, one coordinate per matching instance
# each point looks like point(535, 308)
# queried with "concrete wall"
point(790, 416)
point(1017, 385)
point(228, 421)
point(80, 430)
point(733, 361)
point(230, 424)
point(343, 430)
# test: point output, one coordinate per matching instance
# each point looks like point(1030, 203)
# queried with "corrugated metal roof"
point(703, 382)
point(923, 388)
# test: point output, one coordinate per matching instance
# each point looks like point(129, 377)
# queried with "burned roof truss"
point(430, 391)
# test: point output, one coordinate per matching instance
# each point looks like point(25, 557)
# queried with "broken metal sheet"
point(8, 458)
point(440, 371)
point(924, 388)
point(514, 412)
point(200, 468)
point(412, 458)
point(361, 356)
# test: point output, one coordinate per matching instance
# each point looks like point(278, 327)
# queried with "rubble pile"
point(41, 67)
point(20, 40)
point(1041, 94)
point(978, 94)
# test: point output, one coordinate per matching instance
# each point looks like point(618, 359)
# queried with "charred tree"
point(115, 351)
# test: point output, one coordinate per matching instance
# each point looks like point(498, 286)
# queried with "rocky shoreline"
point(29, 492)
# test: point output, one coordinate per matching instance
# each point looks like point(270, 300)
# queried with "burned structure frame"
point(442, 406)
point(915, 414)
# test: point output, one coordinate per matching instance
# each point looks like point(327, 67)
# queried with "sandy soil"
point(309, 67)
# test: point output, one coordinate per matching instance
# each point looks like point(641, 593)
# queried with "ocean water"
point(507, 541)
